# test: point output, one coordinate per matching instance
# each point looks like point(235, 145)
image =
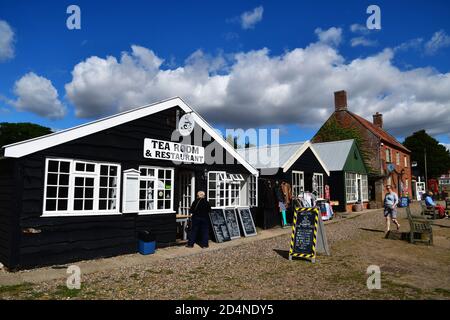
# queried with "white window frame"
point(405, 161)
point(321, 188)
point(397, 158)
point(155, 186)
point(252, 188)
point(352, 187)
point(71, 192)
point(388, 155)
point(229, 184)
point(365, 187)
point(298, 176)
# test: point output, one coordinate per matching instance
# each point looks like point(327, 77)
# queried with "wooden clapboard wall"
point(67, 239)
point(8, 212)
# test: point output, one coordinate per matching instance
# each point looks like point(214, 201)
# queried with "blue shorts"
point(282, 206)
point(388, 211)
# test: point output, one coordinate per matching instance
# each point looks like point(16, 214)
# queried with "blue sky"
point(298, 52)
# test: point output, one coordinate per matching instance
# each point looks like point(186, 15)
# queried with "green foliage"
point(16, 132)
point(333, 131)
point(438, 157)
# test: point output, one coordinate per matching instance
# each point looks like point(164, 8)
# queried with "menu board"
point(232, 223)
point(219, 225)
point(248, 226)
point(304, 231)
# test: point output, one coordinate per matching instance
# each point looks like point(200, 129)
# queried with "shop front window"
point(156, 189)
point(80, 187)
point(298, 183)
point(224, 189)
point(350, 187)
point(318, 184)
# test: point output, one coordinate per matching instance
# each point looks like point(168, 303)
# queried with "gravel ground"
point(261, 270)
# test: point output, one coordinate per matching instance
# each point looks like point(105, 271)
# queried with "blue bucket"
point(147, 247)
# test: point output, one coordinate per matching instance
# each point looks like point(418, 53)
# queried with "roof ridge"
point(370, 126)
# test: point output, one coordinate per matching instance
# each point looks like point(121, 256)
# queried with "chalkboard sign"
point(304, 233)
point(248, 226)
point(219, 225)
point(232, 223)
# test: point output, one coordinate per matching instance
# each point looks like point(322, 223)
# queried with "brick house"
point(387, 160)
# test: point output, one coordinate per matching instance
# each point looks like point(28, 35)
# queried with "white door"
point(186, 192)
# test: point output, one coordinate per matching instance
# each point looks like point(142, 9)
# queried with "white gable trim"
point(288, 164)
point(20, 149)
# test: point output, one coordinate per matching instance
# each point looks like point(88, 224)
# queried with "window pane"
point(63, 192)
point(103, 193)
point(62, 205)
point(78, 193)
point(51, 192)
point(90, 167)
point(113, 171)
point(78, 205)
point(64, 180)
point(89, 182)
point(104, 170)
point(102, 205)
point(79, 181)
point(50, 205)
point(64, 167)
point(88, 205)
point(53, 166)
point(52, 179)
point(79, 166)
point(89, 193)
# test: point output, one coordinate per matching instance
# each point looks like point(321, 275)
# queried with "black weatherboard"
point(248, 226)
point(232, 223)
point(219, 225)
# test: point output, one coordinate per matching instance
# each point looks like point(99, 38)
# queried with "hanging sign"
point(186, 124)
point(308, 235)
point(173, 151)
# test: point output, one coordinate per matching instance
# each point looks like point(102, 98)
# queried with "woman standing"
point(200, 210)
point(390, 208)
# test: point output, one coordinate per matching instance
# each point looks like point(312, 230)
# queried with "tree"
point(16, 132)
point(438, 157)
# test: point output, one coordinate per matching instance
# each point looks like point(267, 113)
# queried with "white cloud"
point(358, 28)
point(438, 41)
point(6, 41)
point(256, 88)
point(362, 41)
point(447, 145)
point(37, 94)
point(250, 18)
point(331, 36)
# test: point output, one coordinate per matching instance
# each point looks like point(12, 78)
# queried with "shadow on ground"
point(282, 253)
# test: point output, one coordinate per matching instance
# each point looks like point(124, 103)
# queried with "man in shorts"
point(390, 208)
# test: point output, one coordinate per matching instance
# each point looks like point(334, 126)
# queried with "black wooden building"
point(87, 191)
point(297, 164)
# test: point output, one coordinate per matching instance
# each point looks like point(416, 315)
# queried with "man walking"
point(390, 208)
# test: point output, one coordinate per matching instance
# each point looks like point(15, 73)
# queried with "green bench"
point(419, 226)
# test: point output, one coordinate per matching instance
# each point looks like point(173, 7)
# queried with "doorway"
point(186, 192)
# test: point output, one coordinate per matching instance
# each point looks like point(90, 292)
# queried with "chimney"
point(340, 100)
point(378, 120)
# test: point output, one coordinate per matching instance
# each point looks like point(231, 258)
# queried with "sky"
point(240, 64)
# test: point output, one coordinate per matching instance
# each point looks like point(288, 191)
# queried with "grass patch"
point(192, 298)
point(63, 292)
point(442, 291)
point(214, 292)
point(15, 289)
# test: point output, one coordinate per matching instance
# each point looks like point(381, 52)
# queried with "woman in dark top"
point(200, 210)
